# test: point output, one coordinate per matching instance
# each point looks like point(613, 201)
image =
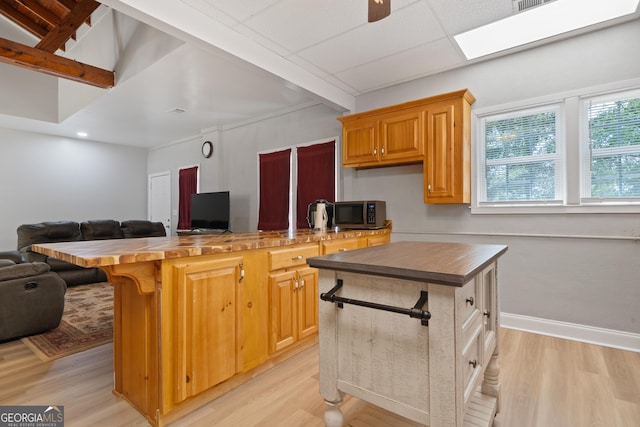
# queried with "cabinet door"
point(359, 144)
point(447, 164)
point(208, 324)
point(307, 296)
point(283, 310)
point(401, 137)
point(440, 157)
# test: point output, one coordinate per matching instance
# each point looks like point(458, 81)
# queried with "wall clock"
point(207, 149)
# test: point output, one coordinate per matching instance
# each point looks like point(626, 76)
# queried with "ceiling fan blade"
point(379, 9)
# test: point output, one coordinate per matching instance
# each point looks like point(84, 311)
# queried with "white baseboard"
point(571, 331)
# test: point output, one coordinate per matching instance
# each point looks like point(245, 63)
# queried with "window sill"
point(593, 208)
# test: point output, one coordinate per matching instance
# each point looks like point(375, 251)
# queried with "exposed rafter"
point(48, 63)
point(54, 22)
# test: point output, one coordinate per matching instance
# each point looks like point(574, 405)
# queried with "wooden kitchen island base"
point(196, 316)
point(412, 327)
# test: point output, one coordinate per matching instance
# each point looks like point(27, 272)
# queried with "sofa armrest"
point(14, 256)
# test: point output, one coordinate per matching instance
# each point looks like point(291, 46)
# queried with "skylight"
point(553, 18)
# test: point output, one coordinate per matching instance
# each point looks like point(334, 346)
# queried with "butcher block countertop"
point(443, 263)
point(97, 253)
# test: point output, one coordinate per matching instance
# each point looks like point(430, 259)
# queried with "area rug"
point(87, 322)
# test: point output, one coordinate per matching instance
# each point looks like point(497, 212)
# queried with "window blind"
point(520, 157)
point(611, 149)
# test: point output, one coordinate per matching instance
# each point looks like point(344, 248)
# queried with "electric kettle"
point(320, 215)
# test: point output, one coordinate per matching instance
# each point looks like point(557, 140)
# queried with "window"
point(570, 152)
point(521, 157)
point(305, 174)
point(610, 146)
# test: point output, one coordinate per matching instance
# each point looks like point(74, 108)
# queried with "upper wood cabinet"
point(447, 161)
point(383, 139)
point(434, 130)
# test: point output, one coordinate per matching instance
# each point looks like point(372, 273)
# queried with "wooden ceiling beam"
point(45, 62)
point(43, 13)
point(68, 26)
point(22, 20)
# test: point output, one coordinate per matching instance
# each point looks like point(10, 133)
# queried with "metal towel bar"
point(416, 312)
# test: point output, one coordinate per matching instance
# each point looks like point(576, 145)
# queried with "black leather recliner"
point(31, 299)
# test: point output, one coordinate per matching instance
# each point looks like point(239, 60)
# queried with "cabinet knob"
point(473, 363)
point(382, 151)
point(375, 152)
point(470, 300)
point(487, 313)
point(429, 187)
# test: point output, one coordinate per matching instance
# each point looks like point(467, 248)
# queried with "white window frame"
point(558, 157)
point(572, 129)
point(586, 153)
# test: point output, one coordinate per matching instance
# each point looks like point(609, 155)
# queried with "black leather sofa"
point(70, 231)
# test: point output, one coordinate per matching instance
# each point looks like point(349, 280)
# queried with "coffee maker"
point(320, 215)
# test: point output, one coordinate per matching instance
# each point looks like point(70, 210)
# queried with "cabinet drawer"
point(341, 245)
point(472, 366)
point(291, 257)
point(377, 240)
point(468, 302)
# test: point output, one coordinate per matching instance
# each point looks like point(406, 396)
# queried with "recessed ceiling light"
point(549, 20)
point(82, 134)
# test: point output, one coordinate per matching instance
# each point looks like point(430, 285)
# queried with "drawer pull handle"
point(473, 363)
point(343, 250)
point(470, 300)
point(295, 258)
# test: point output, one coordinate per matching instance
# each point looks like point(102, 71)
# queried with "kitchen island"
point(195, 316)
point(412, 327)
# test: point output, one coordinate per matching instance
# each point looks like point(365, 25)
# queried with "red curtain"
point(316, 177)
point(187, 185)
point(274, 190)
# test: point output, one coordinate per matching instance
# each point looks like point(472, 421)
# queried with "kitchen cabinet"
point(208, 323)
point(420, 342)
point(293, 287)
point(447, 162)
point(383, 139)
point(193, 314)
point(435, 131)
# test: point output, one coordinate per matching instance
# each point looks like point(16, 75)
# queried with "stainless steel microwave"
point(360, 214)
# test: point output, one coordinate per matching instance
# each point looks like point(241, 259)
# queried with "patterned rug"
point(87, 322)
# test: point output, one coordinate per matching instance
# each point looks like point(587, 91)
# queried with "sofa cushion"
point(101, 229)
point(48, 232)
point(19, 271)
point(142, 228)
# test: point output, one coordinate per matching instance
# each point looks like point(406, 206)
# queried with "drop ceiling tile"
point(407, 65)
point(407, 28)
point(462, 15)
point(238, 10)
point(297, 24)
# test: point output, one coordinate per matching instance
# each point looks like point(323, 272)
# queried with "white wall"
point(48, 178)
point(587, 271)
point(234, 164)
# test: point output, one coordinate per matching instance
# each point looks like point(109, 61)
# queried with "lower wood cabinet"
point(208, 323)
point(293, 295)
point(294, 309)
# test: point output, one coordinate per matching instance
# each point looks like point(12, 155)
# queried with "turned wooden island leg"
point(491, 382)
point(333, 416)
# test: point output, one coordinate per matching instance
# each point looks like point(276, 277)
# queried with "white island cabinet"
point(412, 328)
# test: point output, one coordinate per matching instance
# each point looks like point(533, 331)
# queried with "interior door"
point(160, 199)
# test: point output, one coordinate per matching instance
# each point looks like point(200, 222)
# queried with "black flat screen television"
point(210, 211)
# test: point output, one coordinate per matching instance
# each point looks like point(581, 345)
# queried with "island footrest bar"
point(416, 312)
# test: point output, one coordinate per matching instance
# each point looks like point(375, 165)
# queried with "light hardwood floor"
point(546, 382)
